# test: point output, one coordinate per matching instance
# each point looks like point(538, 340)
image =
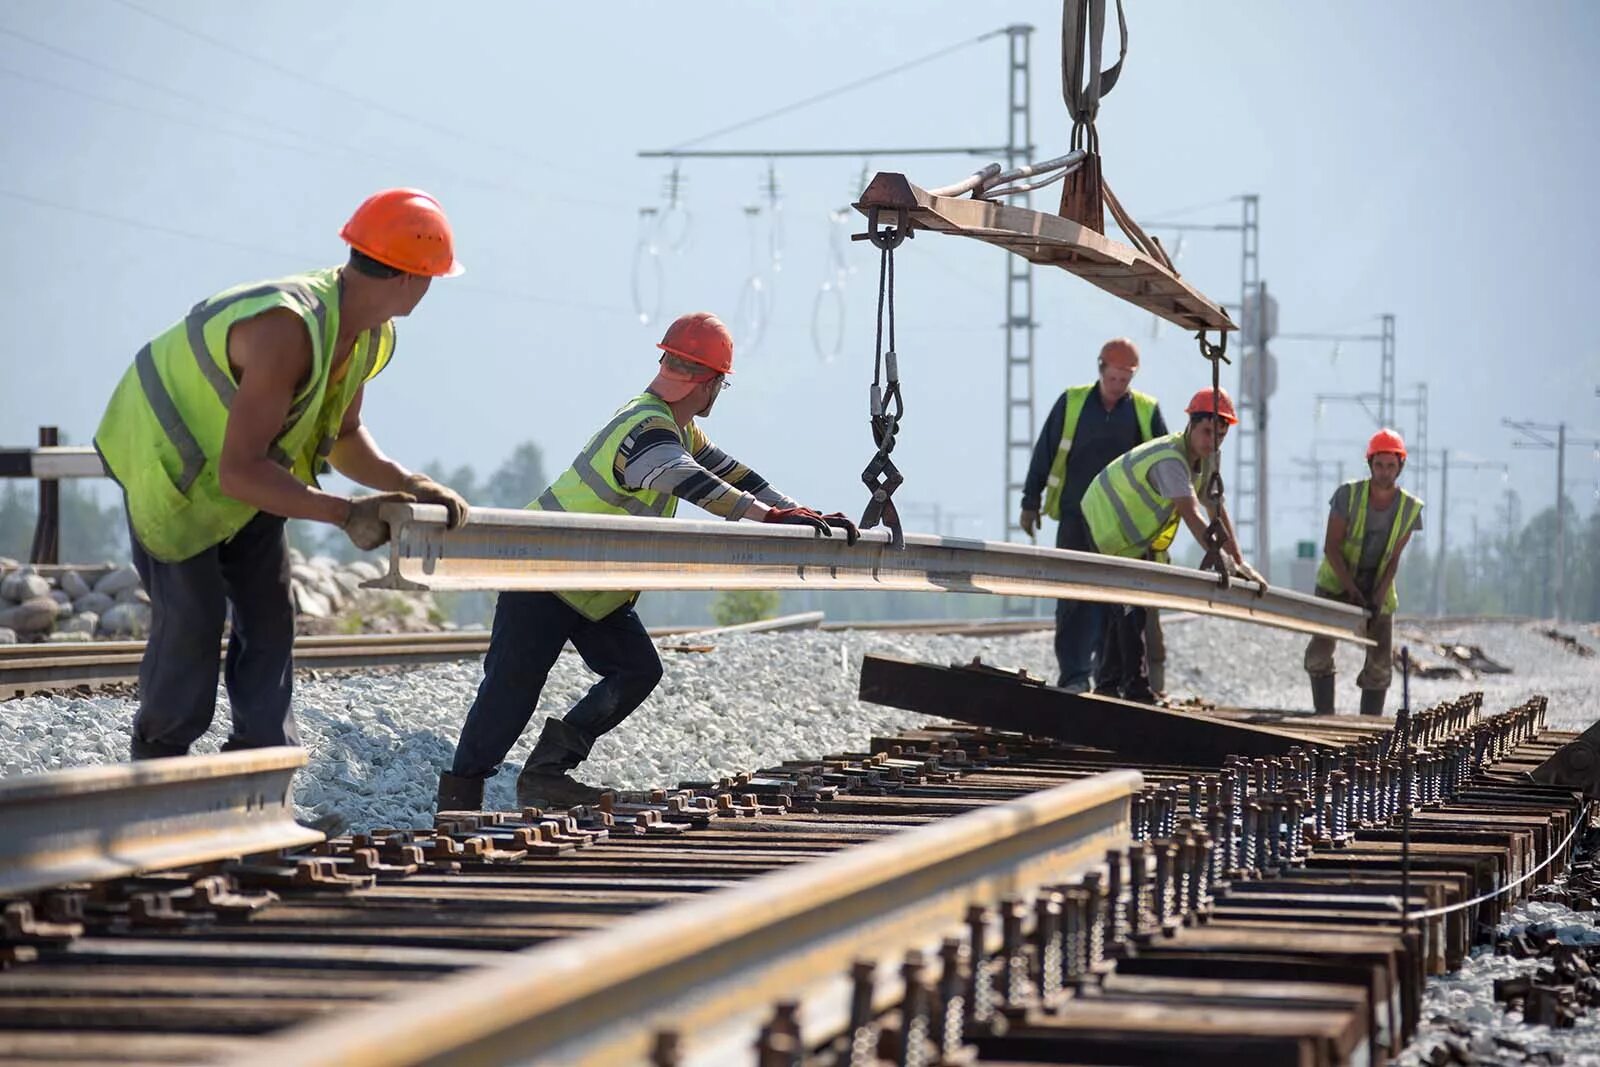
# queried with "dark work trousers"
point(1079, 624)
point(529, 632)
point(1124, 664)
point(189, 602)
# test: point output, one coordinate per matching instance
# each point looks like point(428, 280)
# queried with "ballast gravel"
point(377, 740)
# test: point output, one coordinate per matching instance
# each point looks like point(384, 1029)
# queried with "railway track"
point(950, 895)
point(49, 668)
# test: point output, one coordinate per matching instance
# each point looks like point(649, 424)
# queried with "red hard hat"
point(1386, 440)
point(1202, 404)
point(404, 229)
point(1120, 352)
point(700, 337)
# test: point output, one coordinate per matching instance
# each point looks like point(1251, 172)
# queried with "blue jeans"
point(530, 630)
point(189, 602)
point(1080, 625)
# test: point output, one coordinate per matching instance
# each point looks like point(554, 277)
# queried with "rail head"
point(94, 823)
point(508, 549)
point(709, 968)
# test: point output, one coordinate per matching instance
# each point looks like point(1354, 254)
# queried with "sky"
point(1431, 160)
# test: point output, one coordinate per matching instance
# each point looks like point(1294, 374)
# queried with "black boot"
point(544, 781)
point(1372, 701)
point(459, 794)
point(1322, 693)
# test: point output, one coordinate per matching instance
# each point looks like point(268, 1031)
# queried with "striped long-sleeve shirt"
point(654, 457)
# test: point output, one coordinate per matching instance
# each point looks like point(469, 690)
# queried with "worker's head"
point(1210, 414)
point(1386, 457)
point(696, 362)
point(399, 242)
point(1119, 362)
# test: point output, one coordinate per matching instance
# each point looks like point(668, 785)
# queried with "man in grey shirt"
point(1370, 521)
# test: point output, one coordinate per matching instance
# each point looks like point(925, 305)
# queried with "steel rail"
point(711, 968)
point(91, 823)
point(539, 550)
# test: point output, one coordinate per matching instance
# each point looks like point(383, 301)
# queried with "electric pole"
point(1440, 581)
point(1536, 435)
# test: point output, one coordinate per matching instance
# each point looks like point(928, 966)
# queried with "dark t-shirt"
point(1100, 437)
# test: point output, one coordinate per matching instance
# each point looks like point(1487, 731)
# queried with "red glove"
point(839, 521)
point(799, 517)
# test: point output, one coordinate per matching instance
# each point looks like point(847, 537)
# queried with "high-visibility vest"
point(590, 487)
point(1144, 409)
point(1126, 517)
point(1355, 529)
point(161, 435)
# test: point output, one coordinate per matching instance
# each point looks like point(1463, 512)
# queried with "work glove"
point(799, 517)
point(428, 491)
point(1250, 574)
point(840, 521)
point(1029, 521)
point(363, 526)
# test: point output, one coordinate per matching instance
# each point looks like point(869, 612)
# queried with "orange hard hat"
point(1120, 352)
point(700, 337)
point(1204, 403)
point(404, 229)
point(1387, 440)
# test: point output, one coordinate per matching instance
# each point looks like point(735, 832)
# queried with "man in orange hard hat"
point(650, 455)
point(1370, 522)
point(216, 435)
point(1134, 506)
point(1089, 426)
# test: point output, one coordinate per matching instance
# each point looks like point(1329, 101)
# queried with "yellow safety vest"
point(161, 435)
point(590, 487)
point(1144, 408)
point(1354, 531)
point(1125, 516)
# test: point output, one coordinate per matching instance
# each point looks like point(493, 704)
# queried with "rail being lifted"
point(503, 549)
point(1051, 241)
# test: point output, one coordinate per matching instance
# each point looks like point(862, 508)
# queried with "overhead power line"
point(829, 94)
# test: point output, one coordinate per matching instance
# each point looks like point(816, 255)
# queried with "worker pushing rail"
point(642, 462)
point(217, 434)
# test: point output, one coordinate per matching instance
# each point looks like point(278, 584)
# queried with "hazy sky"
point(1436, 160)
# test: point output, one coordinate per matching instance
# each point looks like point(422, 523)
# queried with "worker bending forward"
point(216, 435)
point(1370, 521)
point(1089, 427)
point(642, 462)
point(1133, 507)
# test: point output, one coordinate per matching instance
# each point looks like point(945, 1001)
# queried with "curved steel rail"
point(709, 969)
point(91, 823)
point(507, 549)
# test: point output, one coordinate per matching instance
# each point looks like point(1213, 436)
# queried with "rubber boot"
point(544, 781)
point(459, 794)
point(1372, 701)
point(1322, 693)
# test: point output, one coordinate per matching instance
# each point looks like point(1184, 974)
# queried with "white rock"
point(69, 637)
point(98, 603)
point(364, 569)
point(347, 581)
point(126, 620)
point(311, 603)
point(32, 616)
point(124, 577)
point(325, 564)
point(8, 636)
point(304, 573)
point(73, 585)
point(133, 595)
point(83, 623)
point(296, 556)
point(23, 585)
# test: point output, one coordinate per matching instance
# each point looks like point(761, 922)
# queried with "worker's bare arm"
point(357, 456)
point(271, 359)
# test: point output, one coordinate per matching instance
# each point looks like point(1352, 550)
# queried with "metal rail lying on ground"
point(720, 961)
point(539, 550)
point(91, 823)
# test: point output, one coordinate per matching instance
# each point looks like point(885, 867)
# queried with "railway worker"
point(1370, 522)
point(216, 435)
point(1089, 426)
point(1133, 509)
point(643, 461)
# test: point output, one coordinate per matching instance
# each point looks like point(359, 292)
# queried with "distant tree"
point(519, 480)
point(735, 606)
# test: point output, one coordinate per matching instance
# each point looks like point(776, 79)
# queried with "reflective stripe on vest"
point(1144, 410)
point(162, 433)
point(1124, 515)
point(1409, 509)
point(590, 487)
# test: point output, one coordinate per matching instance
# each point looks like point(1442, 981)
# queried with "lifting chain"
point(1216, 532)
point(881, 476)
